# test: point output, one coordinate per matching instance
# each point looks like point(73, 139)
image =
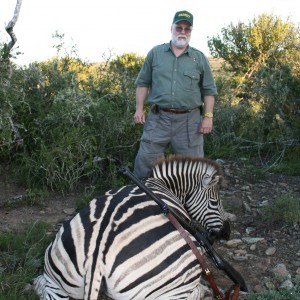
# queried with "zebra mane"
point(187, 159)
point(182, 173)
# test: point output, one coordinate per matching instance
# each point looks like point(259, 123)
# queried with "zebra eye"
point(207, 179)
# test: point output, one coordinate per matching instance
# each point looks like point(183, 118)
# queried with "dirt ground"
point(245, 198)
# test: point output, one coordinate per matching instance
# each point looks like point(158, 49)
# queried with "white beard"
point(180, 43)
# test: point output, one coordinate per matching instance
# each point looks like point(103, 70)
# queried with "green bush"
point(257, 113)
point(71, 117)
point(21, 257)
point(286, 209)
point(63, 121)
point(274, 295)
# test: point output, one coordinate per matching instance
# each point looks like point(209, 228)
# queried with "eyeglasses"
point(179, 29)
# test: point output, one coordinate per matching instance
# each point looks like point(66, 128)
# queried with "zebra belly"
point(150, 260)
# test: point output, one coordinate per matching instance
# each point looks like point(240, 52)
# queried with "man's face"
point(181, 34)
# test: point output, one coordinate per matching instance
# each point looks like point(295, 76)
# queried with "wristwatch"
point(208, 115)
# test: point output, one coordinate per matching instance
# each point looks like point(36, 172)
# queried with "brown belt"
point(176, 110)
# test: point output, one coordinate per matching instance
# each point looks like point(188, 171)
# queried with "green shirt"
point(176, 82)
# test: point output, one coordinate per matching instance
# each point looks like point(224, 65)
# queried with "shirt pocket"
point(191, 80)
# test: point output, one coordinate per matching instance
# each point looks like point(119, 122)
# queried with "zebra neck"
point(158, 187)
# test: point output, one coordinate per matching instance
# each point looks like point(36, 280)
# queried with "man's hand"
point(206, 125)
point(139, 117)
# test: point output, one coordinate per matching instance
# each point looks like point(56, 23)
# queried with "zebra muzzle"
point(222, 234)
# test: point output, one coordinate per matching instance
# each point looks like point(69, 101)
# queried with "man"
point(176, 79)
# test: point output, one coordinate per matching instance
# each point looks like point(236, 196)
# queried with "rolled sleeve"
point(144, 77)
point(207, 85)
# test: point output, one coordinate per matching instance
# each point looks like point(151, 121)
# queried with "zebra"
point(122, 245)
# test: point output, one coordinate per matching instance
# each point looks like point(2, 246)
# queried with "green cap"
point(183, 15)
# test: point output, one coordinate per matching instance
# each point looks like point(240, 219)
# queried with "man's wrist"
point(208, 115)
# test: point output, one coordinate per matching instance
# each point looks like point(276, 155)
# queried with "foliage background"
point(64, 120)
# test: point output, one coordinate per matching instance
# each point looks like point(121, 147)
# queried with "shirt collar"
point(187, 50)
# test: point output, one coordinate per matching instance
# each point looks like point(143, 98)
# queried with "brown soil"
point(246, 197)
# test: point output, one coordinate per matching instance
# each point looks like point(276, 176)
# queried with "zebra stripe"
point(122, 244)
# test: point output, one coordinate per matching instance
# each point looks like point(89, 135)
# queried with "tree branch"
point(10, 26)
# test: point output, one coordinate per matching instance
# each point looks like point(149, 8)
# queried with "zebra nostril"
point(225, 231)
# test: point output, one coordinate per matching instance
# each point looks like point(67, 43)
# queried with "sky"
point(97, 28)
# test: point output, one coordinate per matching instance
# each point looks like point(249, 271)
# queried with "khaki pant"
point(163, 129)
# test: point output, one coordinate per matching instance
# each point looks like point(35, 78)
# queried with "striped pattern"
point(122, 244)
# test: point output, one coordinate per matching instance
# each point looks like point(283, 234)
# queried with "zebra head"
point(195, 181)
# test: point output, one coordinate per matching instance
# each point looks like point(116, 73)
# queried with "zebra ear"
point(211, 181)
point(215, 180)
point(219, 179)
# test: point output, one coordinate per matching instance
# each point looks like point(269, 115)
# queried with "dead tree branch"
point(10, 26)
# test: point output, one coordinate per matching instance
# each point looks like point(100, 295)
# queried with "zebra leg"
point(46, 289)
point(201, 292)
point(39, 286)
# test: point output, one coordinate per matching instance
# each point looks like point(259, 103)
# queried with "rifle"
point(201, 237)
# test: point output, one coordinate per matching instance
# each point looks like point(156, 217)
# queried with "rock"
point(252, 240)
point(270, 285)
point(258, 288)
point(296, 263)
point(287, 284)
point(280, 271)
point(69, 211)
point(234, 243)
point(250, 230)
point(240, 252)
point(220, 161)
point(245, 188)
point(284, 185)
point(230, 217)
point(249, 198)
point(247, 207)
point(264, 203)
point(239, 258)
point(236, 233)
point(270, 251)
